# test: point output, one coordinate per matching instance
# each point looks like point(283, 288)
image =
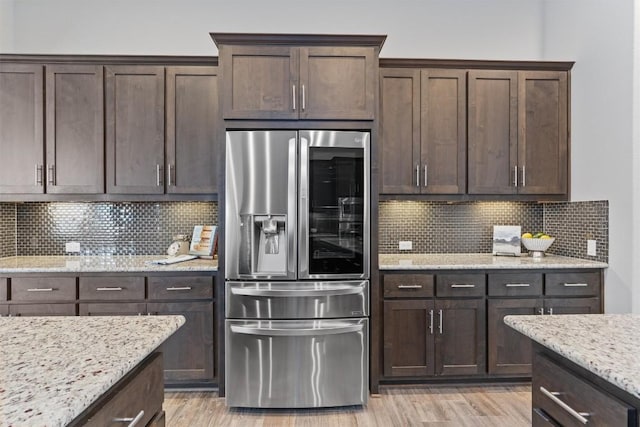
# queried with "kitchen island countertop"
point(480, 262)
point(53, 368)
point(99, 264)
point(604, 344)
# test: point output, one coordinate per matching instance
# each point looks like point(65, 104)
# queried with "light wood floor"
point(494, 405)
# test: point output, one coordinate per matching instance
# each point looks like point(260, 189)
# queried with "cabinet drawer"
point(144, 392)
point(4, 310)
point(111, 288)
point(515, 284)
point(176, 287)
point(460, 285)
point(407, 285)
point(42, 310)
point(564, 396)
point(3, 288)
point(43, 289)
point(112, 309)
point(572, 284)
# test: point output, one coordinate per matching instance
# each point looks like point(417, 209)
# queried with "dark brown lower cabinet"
point(460, 341)
point(113, 309)
point(188, 354)
point(4, 310)
point(425, 337)
point(44, 309)
point(509, 350)
point(572, 305)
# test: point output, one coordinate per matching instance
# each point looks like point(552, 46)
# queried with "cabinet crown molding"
point(475, 64)
point(253, 39)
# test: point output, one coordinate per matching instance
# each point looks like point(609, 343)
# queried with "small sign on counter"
point(506, 240)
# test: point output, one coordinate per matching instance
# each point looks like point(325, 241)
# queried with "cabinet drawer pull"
point(440, 326)
point(551, 311)
point(293, 98)
point(541, 311)
point(38, 174)
point(417, 175)
point(110, 288)
point(51, 175)
point(179, 288)
point(40, 290)
point(517, 285)
point(515, 176)
point(409, 286)
point(425, 174)
point(524, 176)
point(169, 167)
point(158, 175)
point(431, 321)
point(580, 416)
point(462, 286)
point(576, 285)
point(132, 421)
point(304, 103)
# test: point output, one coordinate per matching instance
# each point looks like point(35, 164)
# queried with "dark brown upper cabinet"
point(74, 129)
point(193, 130)
point(423, 129)
point(135, 129)
point(21, 128)
point(518, 133)
point(298, 76)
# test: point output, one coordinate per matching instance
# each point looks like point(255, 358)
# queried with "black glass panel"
point(336, 195)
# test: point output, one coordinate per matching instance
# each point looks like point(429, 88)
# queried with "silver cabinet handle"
point(551, 311)
point(109, 288)
point(524, 176)
point(431, 321)
point(576, 285)
point(40, 290)
point(38, 174)
point(417, 175)
point(425, 174)
point(169, 167)
point(515, 176)
point(293, 98)
point(440, 325)
point(541, 311)
point(179, 288)
point(517, 285)
point(409, 286)
point(51, 174)
point(132, 421)
point(158, 175)
point(553, 395)
point(456, 285)
point(304, 103)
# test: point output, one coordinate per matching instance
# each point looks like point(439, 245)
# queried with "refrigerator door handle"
point(303, 213)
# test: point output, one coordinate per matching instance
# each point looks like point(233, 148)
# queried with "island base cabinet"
point(188, 353)
point(561, 397)
point(141, 395)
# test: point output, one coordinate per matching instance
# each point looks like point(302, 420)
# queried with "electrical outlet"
point(591, 247)
point(70, 247)
point(405, 245)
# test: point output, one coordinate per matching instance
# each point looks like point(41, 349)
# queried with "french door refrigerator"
point(297, 249)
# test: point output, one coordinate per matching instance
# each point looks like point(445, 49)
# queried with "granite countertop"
point(604, 344)
point(53, 368)
point(479, 262)
point(99, 264)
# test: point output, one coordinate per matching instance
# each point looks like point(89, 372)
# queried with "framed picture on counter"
point(506, 240)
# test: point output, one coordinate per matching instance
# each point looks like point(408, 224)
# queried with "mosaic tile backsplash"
point(440, 227)
point(139, 228)
point(573, 223)
point(7, 229)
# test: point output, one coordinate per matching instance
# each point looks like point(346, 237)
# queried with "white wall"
point(491, 29)
point(635, 255)
point(598, 35)
point(6, 25)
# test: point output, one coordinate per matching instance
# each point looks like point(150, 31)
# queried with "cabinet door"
point(188, 354)
point(135, 129)
point(21, 128)
point(509, 350)
point(443, 126)
point(4, 310)
point(337, 83)
point(543, 132)
point(112, 309)
point(400, 131)
point(42, 310)
point(492, 137)
point(572, 305)
point(408, 338)
point(193, 130)
point(75, 129)
point(260, 82)
point(460, 337)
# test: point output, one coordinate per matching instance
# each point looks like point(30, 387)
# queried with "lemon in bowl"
point(537, 244)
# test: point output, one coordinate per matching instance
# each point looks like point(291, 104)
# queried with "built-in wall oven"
point(297, 268)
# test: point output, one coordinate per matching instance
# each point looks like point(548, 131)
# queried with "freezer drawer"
point(297, 300)
point(297, 363)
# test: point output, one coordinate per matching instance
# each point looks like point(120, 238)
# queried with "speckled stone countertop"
point(53, 368)
point(605, 344)
point(479, 262)
point(98, 264)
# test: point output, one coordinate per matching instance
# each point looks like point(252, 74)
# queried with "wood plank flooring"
point(487, 405)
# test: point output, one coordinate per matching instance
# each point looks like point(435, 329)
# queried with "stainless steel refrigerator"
point(297, 268)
